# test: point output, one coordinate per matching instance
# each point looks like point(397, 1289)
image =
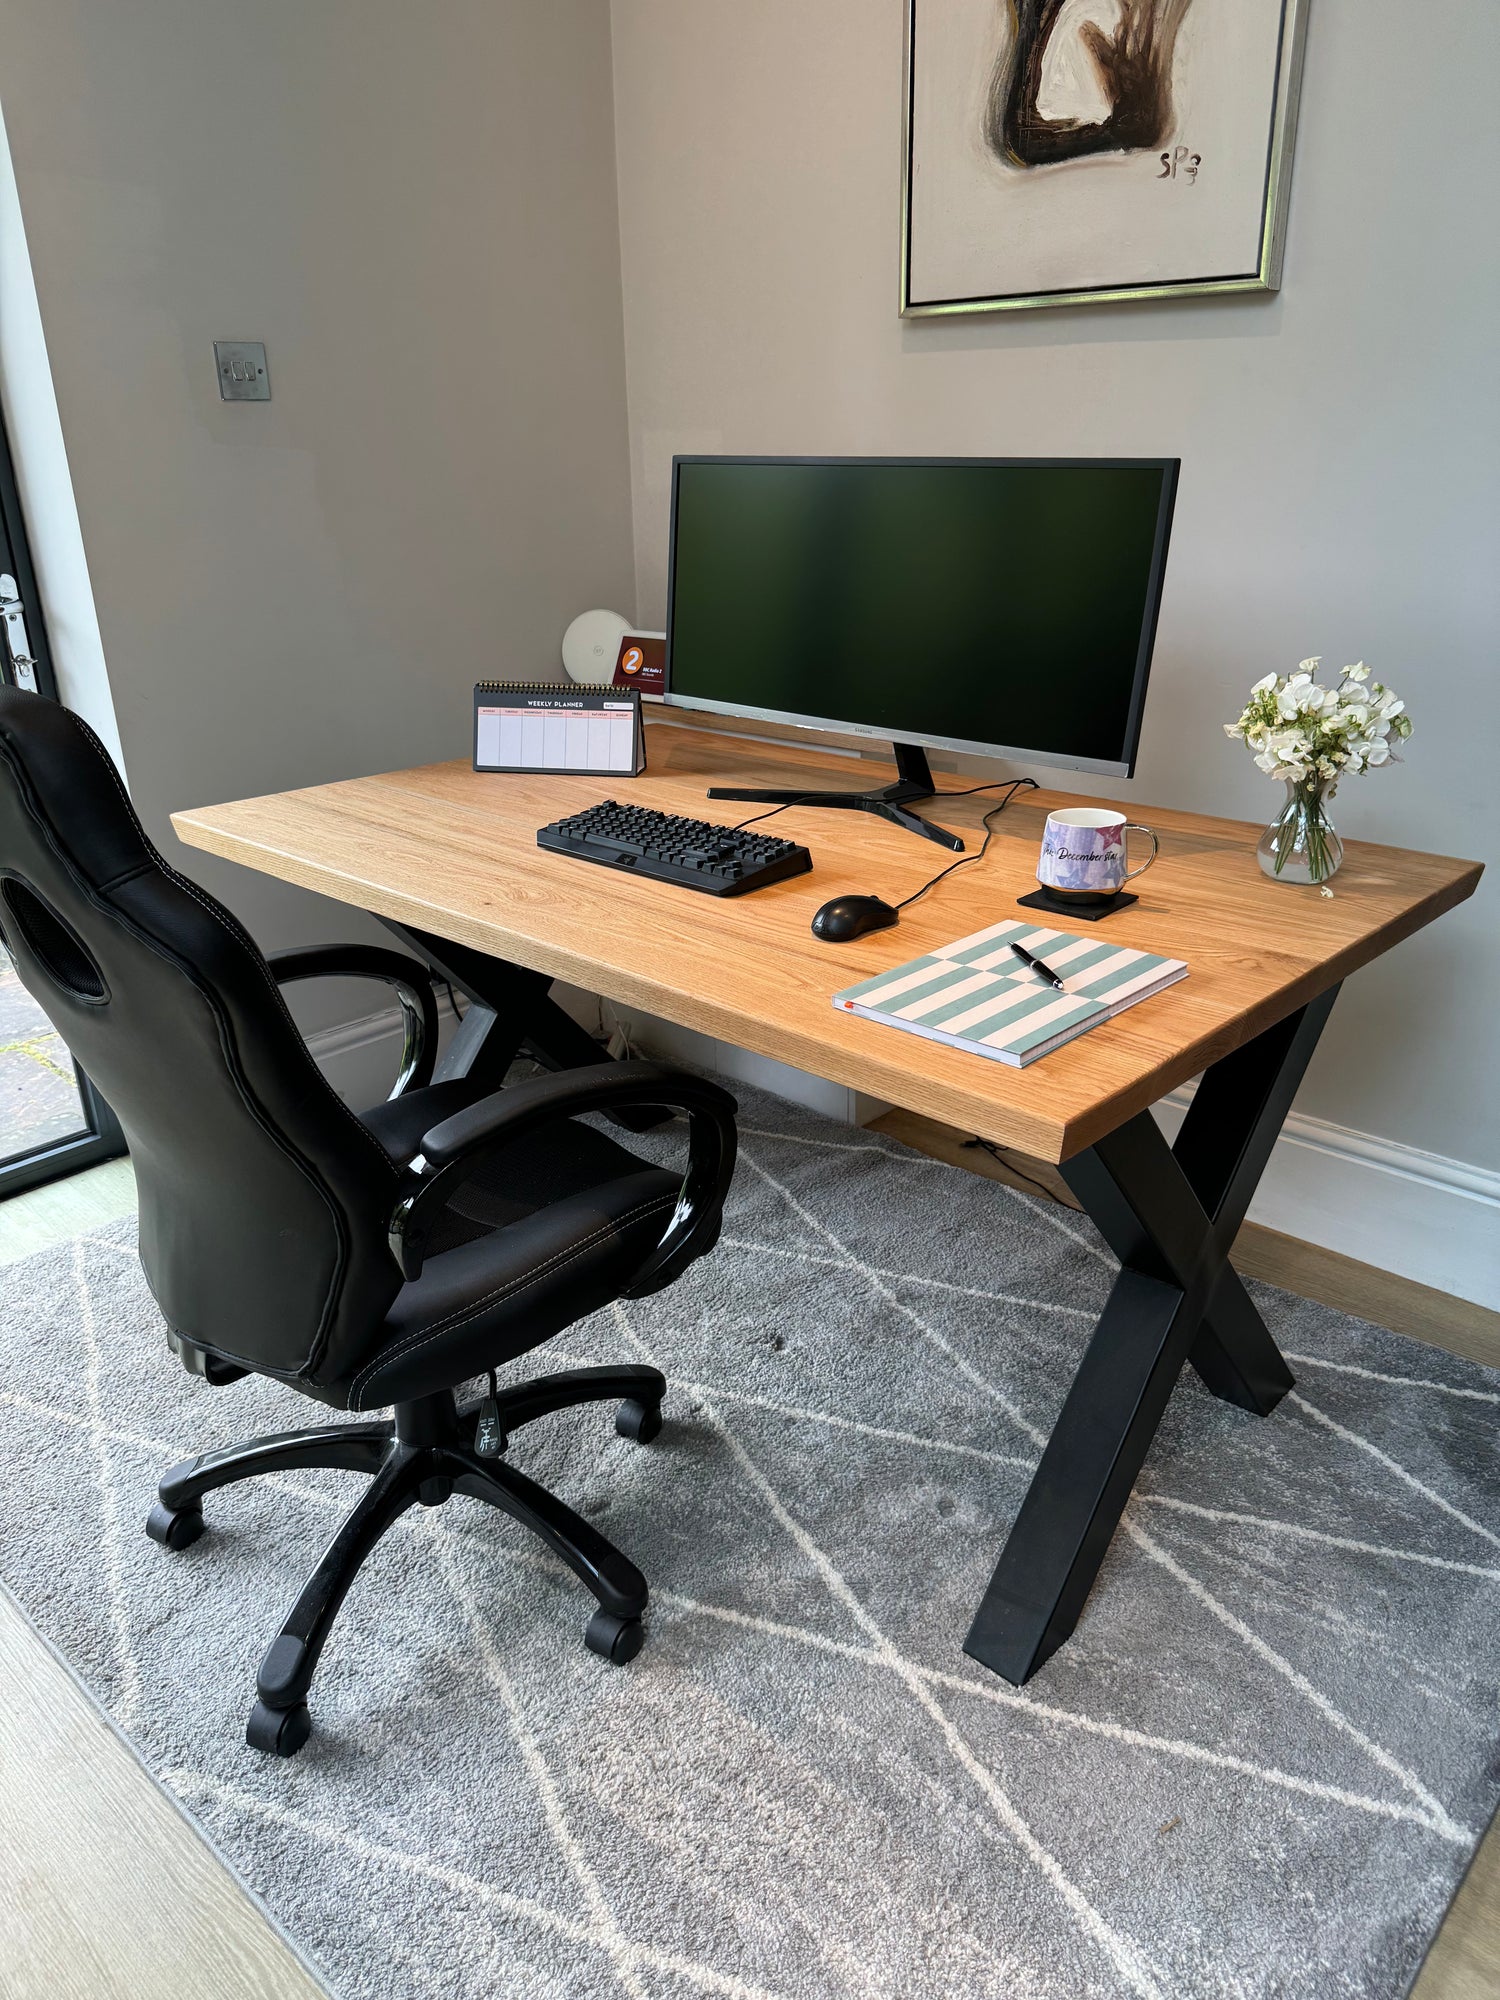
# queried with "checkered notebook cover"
point(977, 994)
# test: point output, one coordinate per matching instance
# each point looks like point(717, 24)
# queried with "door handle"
point(21, 666)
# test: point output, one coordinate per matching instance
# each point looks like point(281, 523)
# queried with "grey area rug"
point(1260, 1768)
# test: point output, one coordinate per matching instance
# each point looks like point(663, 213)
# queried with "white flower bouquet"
point(1310, 736)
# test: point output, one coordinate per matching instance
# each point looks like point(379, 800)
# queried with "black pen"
point(1036, 965)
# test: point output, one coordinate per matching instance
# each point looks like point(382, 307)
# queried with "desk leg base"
point(1171, 1215)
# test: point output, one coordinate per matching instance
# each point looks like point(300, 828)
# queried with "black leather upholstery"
point(594, 1212)
point(265, 1202)
point(487, 1301)
point(263, 1199)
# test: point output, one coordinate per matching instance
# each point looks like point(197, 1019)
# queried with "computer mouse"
point(849, 917)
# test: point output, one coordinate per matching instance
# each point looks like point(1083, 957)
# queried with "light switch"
point(242, 371)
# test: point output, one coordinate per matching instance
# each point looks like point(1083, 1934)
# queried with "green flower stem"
point(1303, 815)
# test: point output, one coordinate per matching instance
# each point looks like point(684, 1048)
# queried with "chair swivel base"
point(422, 1457)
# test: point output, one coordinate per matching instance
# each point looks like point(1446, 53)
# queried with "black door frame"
point(103, 1140)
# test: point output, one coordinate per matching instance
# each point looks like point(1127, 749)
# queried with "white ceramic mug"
point(1083, 852)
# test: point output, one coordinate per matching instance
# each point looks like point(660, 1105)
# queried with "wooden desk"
point(449, 851)
point(449, 858)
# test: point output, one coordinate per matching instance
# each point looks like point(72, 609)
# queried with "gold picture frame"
point(1275, 198)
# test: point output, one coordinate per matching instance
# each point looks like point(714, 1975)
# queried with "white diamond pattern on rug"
point(1258, 1769)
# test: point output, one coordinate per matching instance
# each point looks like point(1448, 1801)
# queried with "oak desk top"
point(454, 852)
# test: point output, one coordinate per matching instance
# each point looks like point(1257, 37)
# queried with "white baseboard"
point(1418, 1215)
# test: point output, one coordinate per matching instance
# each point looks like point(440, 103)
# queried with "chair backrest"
point(263, 1199)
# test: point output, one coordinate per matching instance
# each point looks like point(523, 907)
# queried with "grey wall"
point(414, 207)
point(1338, 440)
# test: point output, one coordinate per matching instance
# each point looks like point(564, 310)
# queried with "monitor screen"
point(1003, 605)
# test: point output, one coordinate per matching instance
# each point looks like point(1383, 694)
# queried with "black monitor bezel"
point(1170, 468)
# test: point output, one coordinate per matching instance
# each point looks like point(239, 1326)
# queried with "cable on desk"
point(1010, 787)
point(772, 812)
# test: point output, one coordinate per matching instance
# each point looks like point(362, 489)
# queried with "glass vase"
point(1300, 844)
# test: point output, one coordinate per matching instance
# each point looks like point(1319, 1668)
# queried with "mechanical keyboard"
point(694, 853)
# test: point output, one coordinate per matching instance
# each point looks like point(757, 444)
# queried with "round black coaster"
point(1066, 906)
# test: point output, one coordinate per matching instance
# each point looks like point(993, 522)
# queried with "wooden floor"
point(1464, 1963)
point(107, 1892)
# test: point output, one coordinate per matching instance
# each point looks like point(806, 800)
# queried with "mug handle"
point(1134, 826)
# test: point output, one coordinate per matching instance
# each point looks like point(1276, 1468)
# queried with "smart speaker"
point(591, 646)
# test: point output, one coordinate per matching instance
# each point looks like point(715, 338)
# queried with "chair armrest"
point(451, 1151)
point(410, 978)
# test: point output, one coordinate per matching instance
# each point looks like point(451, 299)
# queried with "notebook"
point(977, 994)
point(530, 726)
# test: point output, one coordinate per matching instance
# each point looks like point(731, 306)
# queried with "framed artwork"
point(1060, 152)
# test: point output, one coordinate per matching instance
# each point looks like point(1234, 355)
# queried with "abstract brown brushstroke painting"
point(1134, 61)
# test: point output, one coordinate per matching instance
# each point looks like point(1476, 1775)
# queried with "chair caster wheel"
point(280, 1732)
point(638, 1421)
point(175, 1527)
point(614, 1639)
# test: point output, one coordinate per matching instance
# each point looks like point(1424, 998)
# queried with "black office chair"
point(367, 1261)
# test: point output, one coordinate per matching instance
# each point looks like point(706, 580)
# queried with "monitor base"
point(888, 802)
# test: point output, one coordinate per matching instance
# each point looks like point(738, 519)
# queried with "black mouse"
point(850, 917)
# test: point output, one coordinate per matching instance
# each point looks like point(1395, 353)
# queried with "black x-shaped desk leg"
point(1170, 1214)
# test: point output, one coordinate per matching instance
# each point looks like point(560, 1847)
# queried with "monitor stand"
point(889, 802)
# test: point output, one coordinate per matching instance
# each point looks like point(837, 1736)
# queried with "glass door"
point(52, 1120)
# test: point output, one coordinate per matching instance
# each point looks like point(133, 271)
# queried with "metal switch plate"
point(243, 377)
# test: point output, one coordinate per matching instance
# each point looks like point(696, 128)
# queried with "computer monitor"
point(1002, 606)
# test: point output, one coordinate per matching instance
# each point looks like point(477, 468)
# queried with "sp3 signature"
point(1181, 163)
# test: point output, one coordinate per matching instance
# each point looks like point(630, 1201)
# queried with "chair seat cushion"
point(484, 1302)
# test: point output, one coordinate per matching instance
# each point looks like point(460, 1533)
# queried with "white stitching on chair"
point(558, 1261)
point(94, 894)
point(230, 923)
point(454, 1320)
point(235, 930)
